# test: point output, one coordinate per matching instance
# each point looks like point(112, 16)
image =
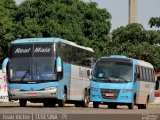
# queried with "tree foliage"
point(134, 41)
point(79, 22)
point(154, 21)
point(7, 8)
point(73, 20)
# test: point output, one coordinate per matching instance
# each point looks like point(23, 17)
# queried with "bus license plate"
point(32, 94)
point(109, 94)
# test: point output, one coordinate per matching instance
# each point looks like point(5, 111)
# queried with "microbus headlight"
point(51, 88)
point(127, 90)
point(94, 89)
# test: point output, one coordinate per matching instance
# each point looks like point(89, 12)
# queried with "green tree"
point(154, 21)
point(73, 20)
point(7, 8)
point(136, 42)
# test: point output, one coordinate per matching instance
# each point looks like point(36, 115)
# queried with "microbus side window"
point(137, 73)
point(141, 74)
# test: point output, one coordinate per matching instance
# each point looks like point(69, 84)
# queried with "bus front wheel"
point(22, 103)
point(63, 101)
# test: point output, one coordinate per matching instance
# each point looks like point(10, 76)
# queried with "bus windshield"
point(35, 65)
point(112, 71)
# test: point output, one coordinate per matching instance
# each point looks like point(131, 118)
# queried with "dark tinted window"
point(74, 55)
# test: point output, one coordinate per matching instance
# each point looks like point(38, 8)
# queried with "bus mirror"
point(59, 64)
point(157, 84)
point(4, 65)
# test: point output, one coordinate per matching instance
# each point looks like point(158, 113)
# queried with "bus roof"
point(49, 40)
point(135, 61)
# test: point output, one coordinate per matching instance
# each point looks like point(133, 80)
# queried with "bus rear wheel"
point(86, 101)
point(22, 103)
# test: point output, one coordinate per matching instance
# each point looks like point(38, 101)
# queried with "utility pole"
point(132, 11)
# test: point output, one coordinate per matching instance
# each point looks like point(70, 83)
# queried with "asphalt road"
point(38, 112)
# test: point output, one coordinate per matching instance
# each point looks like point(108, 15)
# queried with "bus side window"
point(147, 75)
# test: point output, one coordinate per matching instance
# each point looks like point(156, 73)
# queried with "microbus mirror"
point(88, 73)
point(59, 64)
point(136, 76)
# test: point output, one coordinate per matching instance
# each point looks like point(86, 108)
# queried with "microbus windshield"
point(110, 70)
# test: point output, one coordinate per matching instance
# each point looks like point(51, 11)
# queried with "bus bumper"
point(15, 95)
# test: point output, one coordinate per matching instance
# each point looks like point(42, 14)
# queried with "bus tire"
point(62, 102)
point(86, 101)
point(95, 104)
point(22, 103)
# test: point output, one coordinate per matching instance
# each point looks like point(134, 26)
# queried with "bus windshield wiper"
point(25, 75)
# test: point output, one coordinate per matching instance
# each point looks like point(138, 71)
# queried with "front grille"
point(109, 93)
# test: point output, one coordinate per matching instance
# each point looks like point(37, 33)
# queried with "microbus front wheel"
point(22, 103)
point(95, 104)
point(131, 105)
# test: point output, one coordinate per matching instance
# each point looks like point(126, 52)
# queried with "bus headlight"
point(127, 90)
point(51, 88)
point(94, 89)
point(14, 89)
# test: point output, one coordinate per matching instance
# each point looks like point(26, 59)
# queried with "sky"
point(119, 11)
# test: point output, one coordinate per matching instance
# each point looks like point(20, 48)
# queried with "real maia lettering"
point(20, 50)
point(42, 50)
